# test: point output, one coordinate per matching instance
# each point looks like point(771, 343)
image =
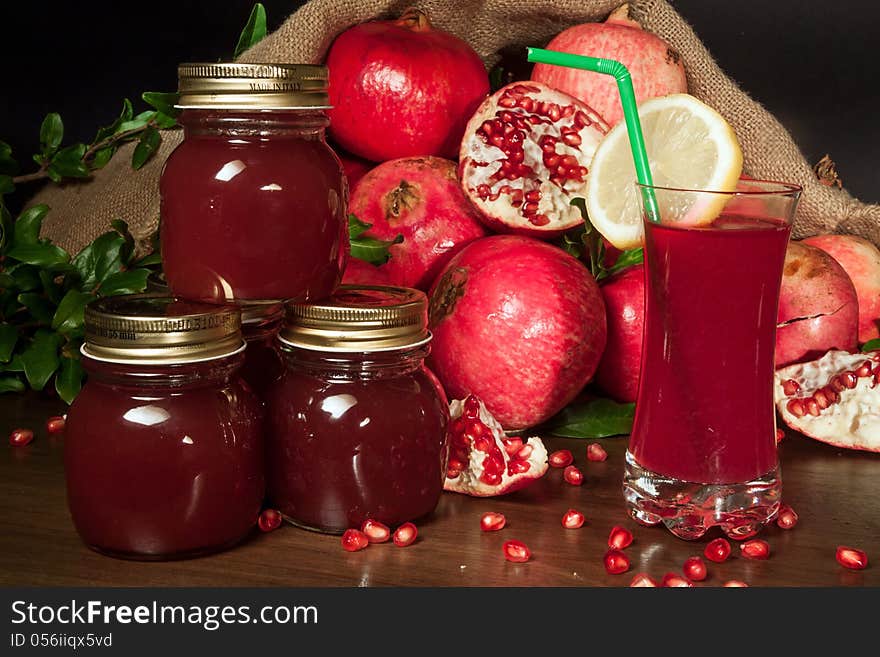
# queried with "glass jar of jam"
point(163, 452)
point(253, 200)
point(357, 423)
point(262, 358)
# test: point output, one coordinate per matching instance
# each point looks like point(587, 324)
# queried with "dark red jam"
point(164, 452)
point(355, 436)
point(356, 423)
point(164, 461)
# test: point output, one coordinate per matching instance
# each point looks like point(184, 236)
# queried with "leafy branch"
point(43, 290)
point(585, 242)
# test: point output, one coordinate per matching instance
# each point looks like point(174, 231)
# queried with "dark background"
point(813, 63)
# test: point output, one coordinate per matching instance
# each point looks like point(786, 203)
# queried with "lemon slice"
point(690, 146)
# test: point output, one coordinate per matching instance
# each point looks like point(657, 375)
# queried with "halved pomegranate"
point(835, 399)
point(525, 155)
point(483, 461)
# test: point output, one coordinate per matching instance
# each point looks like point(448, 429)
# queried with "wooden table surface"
point(836, 492)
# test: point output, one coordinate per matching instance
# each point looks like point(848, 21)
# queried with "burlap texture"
point(82, 211)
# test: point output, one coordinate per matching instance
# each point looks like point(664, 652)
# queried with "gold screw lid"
point(252, 86)
point(359, 318)
point(159, 330)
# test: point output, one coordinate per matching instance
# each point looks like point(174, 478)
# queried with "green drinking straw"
point(630, 112)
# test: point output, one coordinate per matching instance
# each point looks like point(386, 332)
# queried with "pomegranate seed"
point(560, 459)
point(780, 434)
point(405, 534)
point(55, 424)
point(20, 437)
point(864, 369)
point(595, 452)
point(796, 407)
point(375, 531)
point(516, 551)
point(735, 584)
point(492, 522)
point(787, 517)
point(695, 569)
point(573, 476)
point(573, 519)
point(616, 562)
point(641, 580)
point(472, 408)
point(619, 538)
point(673, 580)
point(269, 520)
point(790, 387)
point(755, 549)
point(849, 379)
point(717, 550)
point(354, 540)
point(851, 558)
point(512, 445)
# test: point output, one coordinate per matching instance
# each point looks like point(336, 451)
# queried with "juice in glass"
point(703, 448)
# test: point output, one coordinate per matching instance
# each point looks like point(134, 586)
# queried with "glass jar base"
point(171, 556)
point(690, 509)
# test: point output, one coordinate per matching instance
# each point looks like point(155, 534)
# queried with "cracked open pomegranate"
point(525, 156)
point(483, 461)
point(835, 399)
point(818, 306)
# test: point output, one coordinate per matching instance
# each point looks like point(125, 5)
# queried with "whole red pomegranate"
point(861, 261)
point(520, 324)
point(655, 67)
point(618, 372)
point(818, 307)
point(525, 155)
point(401, 88)
point(358, 272)
point(419, 198)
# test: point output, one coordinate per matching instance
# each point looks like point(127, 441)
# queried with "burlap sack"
point(81, 211)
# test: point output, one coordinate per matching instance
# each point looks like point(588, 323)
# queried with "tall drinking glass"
point(703, 447)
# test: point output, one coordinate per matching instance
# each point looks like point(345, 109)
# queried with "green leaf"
point(6, 226)
point(100, 259)
point(41, 255)
point(871, 345)
point(356, 227)
point(8, 165)
point(121, 227)
point(68, 162)
point(6, 184)
point(11, 383)
point(125, 282)
point(596, 418)
point(26, 277)
point(27, 226)
point(68, 381)
point(102, 157)
point(8, 338)
point(254, 30)
point(162, 102)
point(14, 365)
point(147, 145)
point(51, 133)
point(366, 248)
point(40, 358)
point(41, 309)
point(164, 122)
point(149, 260)
point(52, 289)
point(68, 317)
point(108, 131)
point(136, 123)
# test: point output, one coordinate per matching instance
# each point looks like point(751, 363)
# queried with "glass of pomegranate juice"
point(703, 447)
